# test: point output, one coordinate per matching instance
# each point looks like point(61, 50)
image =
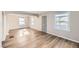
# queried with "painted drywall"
point(72, 35)
point(0, 25)
point(0, 28)
point(74, 23)
point(27, 21)
point(5, 28)
point(37, 23)
point(13, 21)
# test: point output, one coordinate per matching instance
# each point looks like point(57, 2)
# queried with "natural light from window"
point(21, 21)
point(62, 22)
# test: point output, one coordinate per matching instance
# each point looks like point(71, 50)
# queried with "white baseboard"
point(1, 44)
point(65, 38)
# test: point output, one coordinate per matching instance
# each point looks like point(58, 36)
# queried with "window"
point(21, 21)
point(62, 22)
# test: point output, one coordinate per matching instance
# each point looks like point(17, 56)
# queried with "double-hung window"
point(62, 22)
point(21, 21)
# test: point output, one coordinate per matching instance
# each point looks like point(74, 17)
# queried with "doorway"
point(44, 23)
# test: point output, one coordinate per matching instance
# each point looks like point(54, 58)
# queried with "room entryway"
point(44, 23)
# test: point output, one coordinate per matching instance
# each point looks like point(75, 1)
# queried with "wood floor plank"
point(30, 38)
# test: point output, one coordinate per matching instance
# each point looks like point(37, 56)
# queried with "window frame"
point(20, 21)
point(60, 23)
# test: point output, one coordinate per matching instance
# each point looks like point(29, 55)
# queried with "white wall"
point(37, 23)
point(27, 21)
point(13, 21)
point(74, 26)
point(0, 27)
point(74, 23)
point(74, 18)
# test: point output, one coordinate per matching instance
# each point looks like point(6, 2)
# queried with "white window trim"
point(21, 17)
point(66, 14)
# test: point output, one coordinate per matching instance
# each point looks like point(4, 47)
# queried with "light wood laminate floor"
point(30, 38)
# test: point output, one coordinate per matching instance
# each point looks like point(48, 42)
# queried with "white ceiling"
point(32, 12)
point(36, 12)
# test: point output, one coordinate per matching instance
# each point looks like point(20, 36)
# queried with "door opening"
point(44, 23)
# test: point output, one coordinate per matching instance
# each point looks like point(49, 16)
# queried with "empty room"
point(39, 29)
